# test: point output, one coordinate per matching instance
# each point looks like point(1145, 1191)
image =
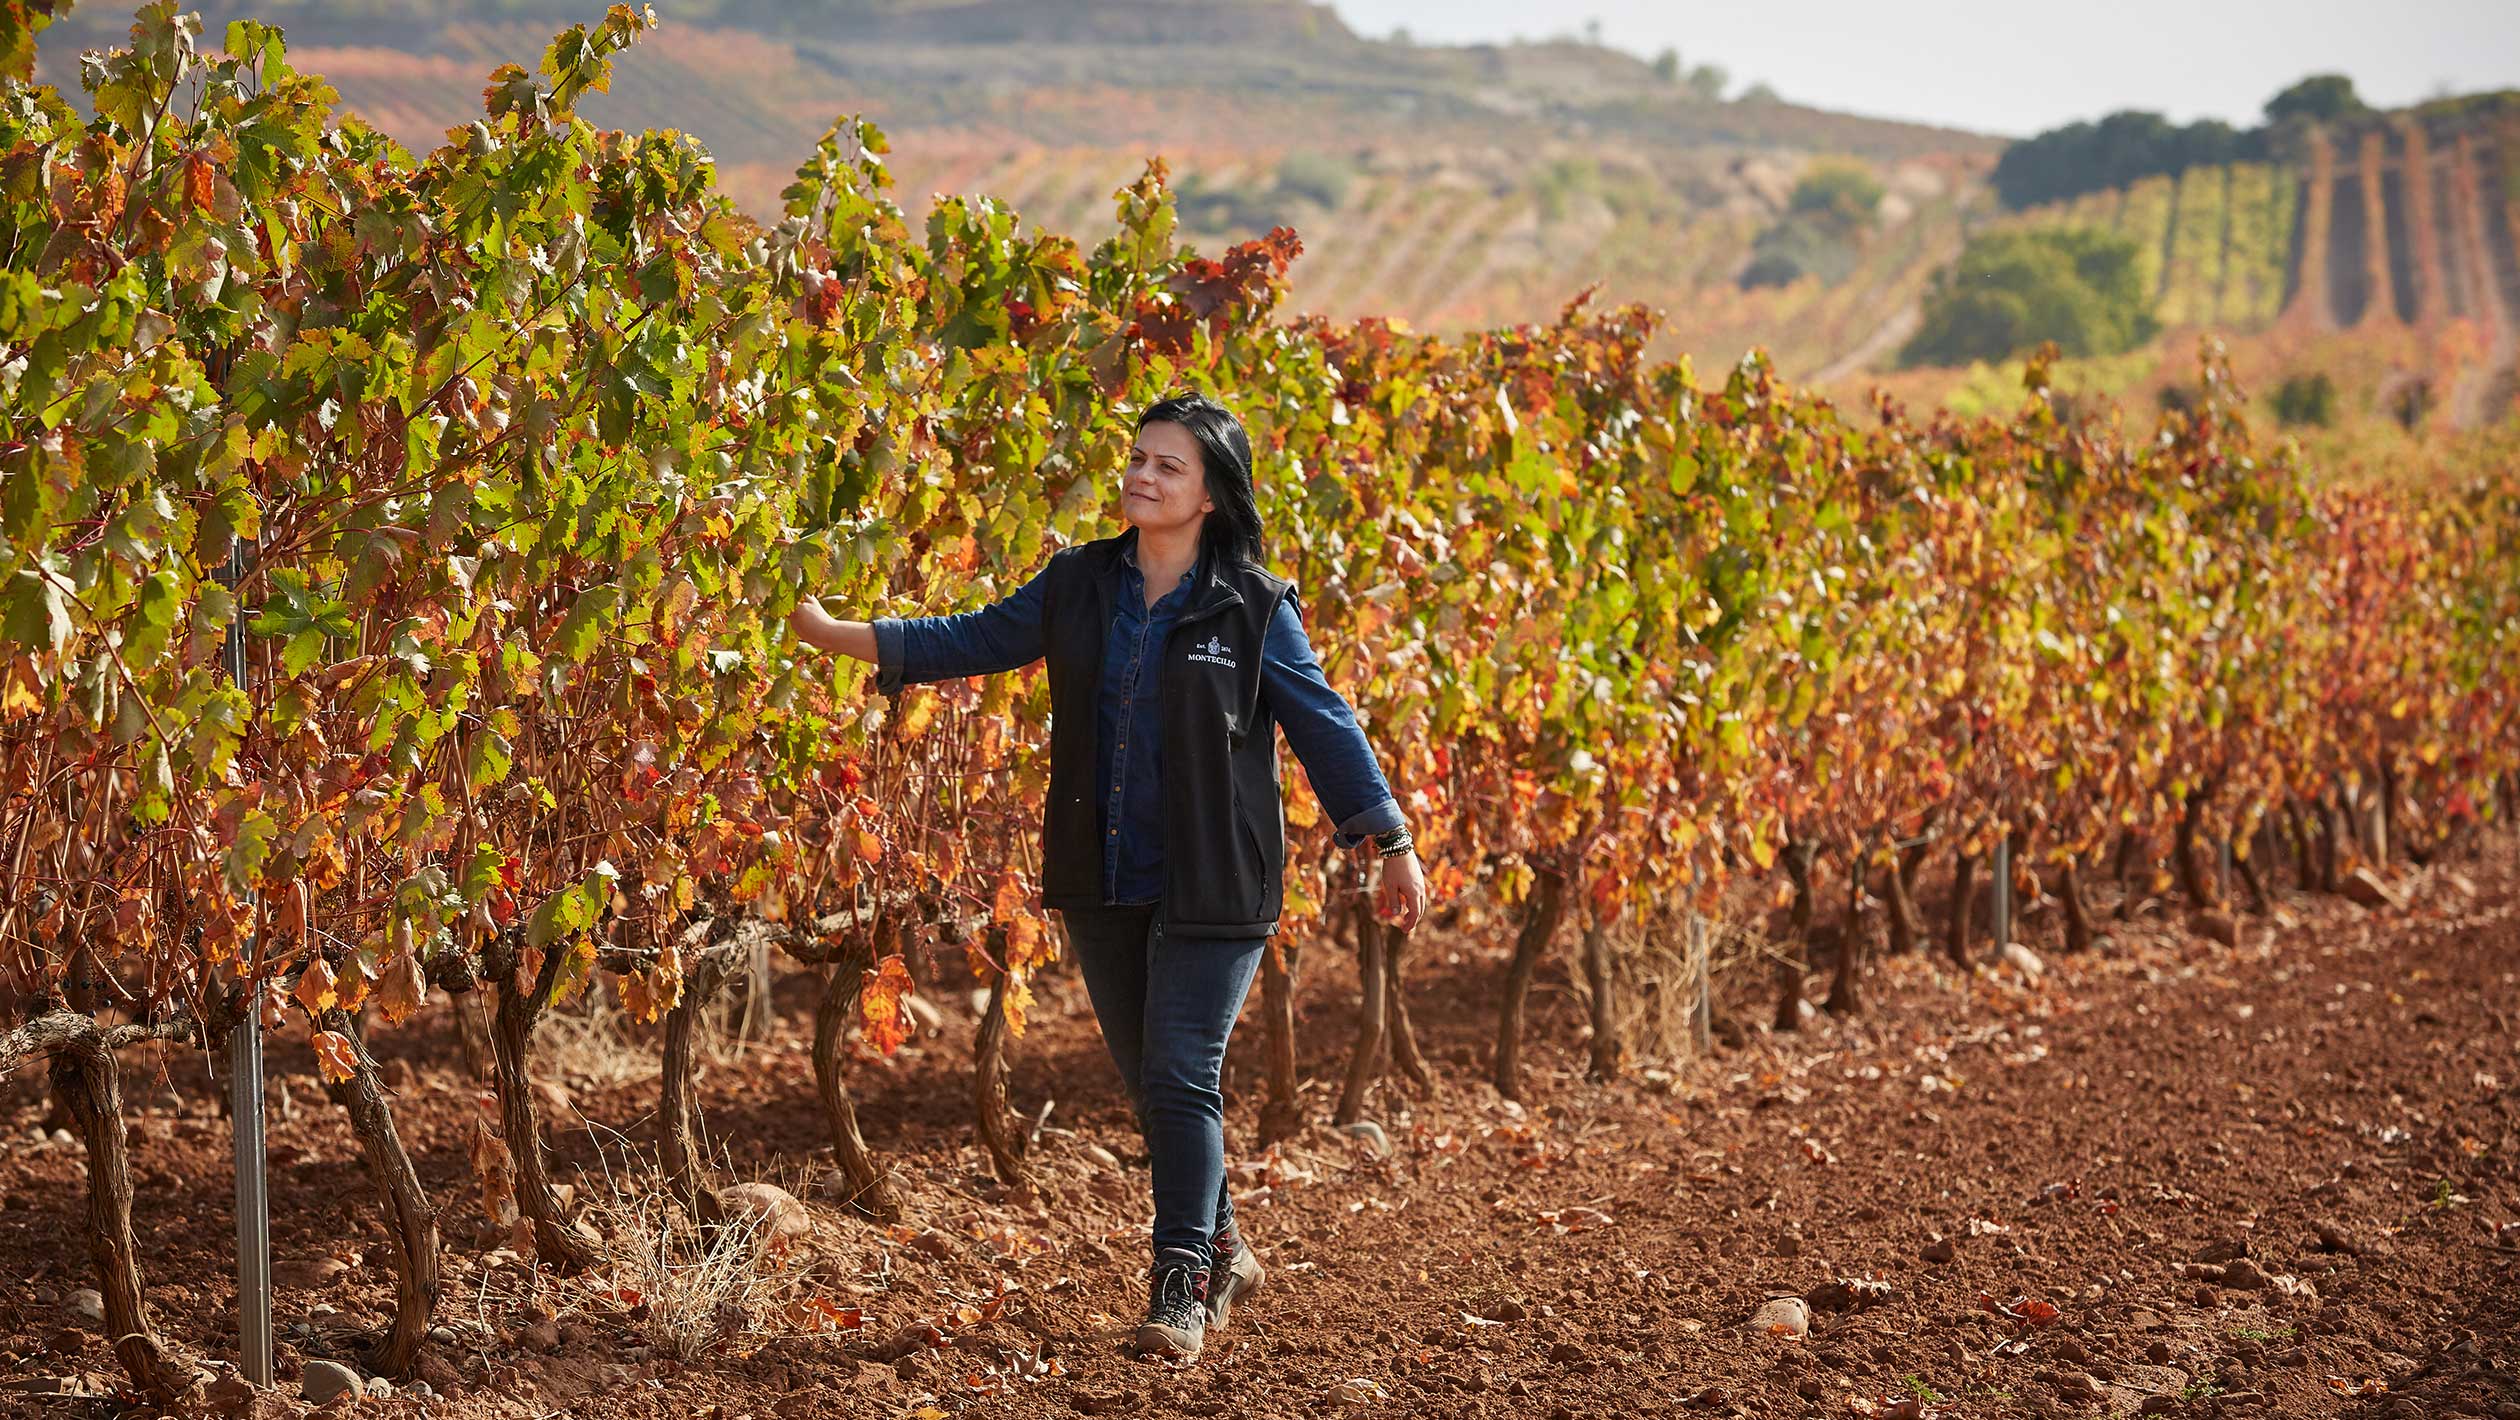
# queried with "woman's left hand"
point(1401, 899)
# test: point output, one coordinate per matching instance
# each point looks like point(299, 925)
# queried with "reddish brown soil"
point(2084, 1140)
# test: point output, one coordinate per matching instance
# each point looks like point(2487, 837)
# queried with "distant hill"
point(1449, 185)
point(1461, 186)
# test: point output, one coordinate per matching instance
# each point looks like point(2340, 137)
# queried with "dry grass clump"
point(684, 1289)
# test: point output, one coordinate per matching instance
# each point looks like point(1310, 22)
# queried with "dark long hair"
point(1232, 530)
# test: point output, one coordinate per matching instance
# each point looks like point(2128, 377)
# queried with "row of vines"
point(507, 463)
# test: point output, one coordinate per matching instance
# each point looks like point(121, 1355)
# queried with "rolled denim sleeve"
point(1322, 728)
point(998, 637)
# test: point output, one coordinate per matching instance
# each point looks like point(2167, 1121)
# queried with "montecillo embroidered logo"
point(1214, 653)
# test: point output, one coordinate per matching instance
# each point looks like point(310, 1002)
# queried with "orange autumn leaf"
point(316, 988)
point(351, 990)
point(335, 1056)
point(199, 182)
point(869, 847)
point(324, 865)
point(1027, 945)
point(1019, 999)
point(402, 990)
point(821, 1314)
point(646, 995)
point(881, 1005)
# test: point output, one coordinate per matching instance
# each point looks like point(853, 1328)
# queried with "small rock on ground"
point(328, 1381)
point(1785, 1316)
point(779, 1219)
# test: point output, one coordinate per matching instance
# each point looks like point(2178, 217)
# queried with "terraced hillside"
point(2398, 233)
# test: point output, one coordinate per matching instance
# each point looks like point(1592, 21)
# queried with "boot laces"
point(1180, 1290)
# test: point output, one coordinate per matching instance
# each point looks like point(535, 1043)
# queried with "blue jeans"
point(1167, 1007)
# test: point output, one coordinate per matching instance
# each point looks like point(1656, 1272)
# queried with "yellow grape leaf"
point(880, 1004)
point(1514, 882)
point(1301, 811)
point(921, 713)
point(21, 694)
point(869, 847)
point(1299, 901)
point(334, 1056)
point(1019, 999)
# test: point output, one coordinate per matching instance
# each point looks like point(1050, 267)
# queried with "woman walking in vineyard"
point(1173, 658)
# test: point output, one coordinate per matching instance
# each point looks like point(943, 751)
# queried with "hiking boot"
point(1176, 1307)
point(1238, 1275)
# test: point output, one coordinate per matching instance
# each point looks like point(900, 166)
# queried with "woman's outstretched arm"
point(823, 631)
point(998, 637)
point(1338, 761)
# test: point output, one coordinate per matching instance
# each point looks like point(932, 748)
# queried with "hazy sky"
point(2016, 66)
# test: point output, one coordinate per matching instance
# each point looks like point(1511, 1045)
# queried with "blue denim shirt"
point(1128, 749)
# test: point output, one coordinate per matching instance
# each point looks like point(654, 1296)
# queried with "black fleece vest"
point(1224, 837)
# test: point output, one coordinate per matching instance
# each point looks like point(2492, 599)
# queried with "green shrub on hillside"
point(1558, 184)
point(1845, 193)
point(1796, 248)
point(2010, 291)
point(1320, 178)
point(1822, 231)
point(2306, 399)
point(1213, 208)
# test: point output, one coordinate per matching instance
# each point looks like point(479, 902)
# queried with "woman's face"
point(1165, 484)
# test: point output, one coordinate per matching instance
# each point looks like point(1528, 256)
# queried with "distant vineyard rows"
point(2404, 228)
